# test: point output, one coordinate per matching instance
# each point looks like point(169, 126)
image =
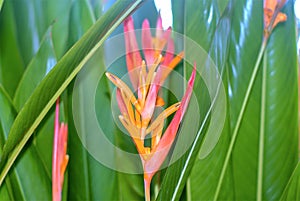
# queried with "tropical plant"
point(238, 138)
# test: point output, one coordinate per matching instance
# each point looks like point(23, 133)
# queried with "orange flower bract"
point(271, 10)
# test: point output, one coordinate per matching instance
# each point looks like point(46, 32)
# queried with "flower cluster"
point(146, 77)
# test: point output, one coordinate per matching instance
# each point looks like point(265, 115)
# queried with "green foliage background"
point(37, 65)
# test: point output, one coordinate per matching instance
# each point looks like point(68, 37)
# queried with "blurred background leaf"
point(35, 34)
point(1, 3)
point(54, 83)
point(270, 121)
point(86, 186)
point(37, 69)
point(291, 191)
point(28, 179)
point(210, 39)
point(239, 64)
point(11, 61)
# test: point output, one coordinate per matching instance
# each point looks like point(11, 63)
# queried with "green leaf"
point(57, 14)
point(11, 61)
point(279, 117)
point(97, 8)
point(81, 19)
point(292, 189)
point(263, 116)
point(4, 193)
point(57, 80)
point(274, 117)
point(177, 175)
point(178, 15)
point(114, 187)
point(28, 170)
point(1, 3)
point(222, 4)
point(7, 116)
point(28, 31)
point(85, 186)
point(37, 69)
point(211, 156)
point(201, 17)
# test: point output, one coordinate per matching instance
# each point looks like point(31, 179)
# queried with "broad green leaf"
point(97, 8)
point(267, 133)
point(37, 69)
point(279, 117)
point(201, 18)
point(1, 3)
point(207, 166)
point(57, 14)
point(241, 11)
point(291, 191)
point(57, 80)
point(190, 135)
point(11, 61)
point(28, 172)
point(7, 115)
point(178, 12)
point(28, 31)
point(85, 186)
point(81, 19)
point(32, 19)
point(4, 193)
point(222, 4)
point(177, 175)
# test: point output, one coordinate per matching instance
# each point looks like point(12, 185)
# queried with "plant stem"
point(147, 183)
point(239, 120)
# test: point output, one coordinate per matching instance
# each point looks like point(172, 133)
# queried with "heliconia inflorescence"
point(146, 77)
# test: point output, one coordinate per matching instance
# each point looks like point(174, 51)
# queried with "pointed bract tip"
point(110, 76)
point(128, 20)
point(128, 24)
point(193, 75)
point(159, 21)
point(146, 24)
point(177, 105)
